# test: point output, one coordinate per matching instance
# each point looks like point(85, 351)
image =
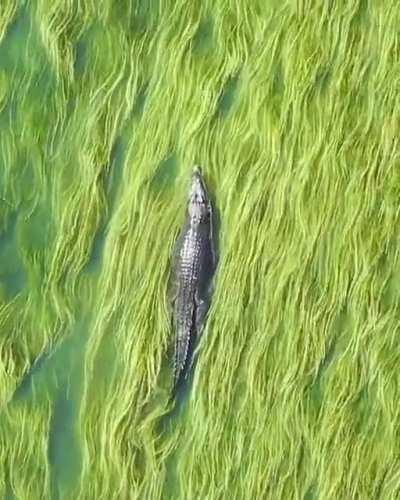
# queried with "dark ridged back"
point(194, 241)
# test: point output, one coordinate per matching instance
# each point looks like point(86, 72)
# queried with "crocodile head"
point(199, 203)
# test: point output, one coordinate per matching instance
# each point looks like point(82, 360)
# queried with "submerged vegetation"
point(292, 108)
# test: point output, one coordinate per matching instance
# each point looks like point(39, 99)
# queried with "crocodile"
point(192, 273)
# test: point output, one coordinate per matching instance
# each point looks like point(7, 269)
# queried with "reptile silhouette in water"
point(192, 273)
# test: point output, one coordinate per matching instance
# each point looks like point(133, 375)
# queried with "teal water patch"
point(144, 18)
point(59, 375)
point(341, 326)
point(64, 450)
point(112, 182)
point(24, 174)
point(83, 46)
point(362, 410)
point(23, 56)
point(52, 368)
point(171, 485)
point(360, 15)
point(311, 493)
point(140, 102)
point(8, 113)
point(388, 268)
point(14, 44)
point(80, 60)
point(34, 230)
point(105, 361)
point(9, 494)
point(13, 280)
point(165, 174)
point(316, 388)
point(228, 96)
point(25, 388)
point(278, 80)
point(21, 50)
point(12, 273)
point(203, 39)
point(322, 78)
point(96, 255)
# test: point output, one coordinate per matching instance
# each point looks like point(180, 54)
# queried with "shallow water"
point(291, 109)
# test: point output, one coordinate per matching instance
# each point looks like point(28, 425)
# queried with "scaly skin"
point(193, 271)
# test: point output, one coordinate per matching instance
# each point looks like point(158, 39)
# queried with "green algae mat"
point(292, 110)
